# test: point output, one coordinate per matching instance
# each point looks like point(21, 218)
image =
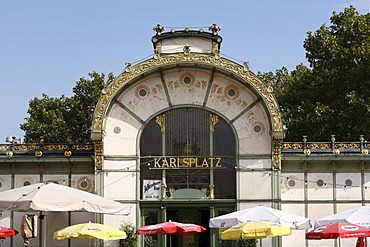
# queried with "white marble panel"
point(292, 186)
point(17, 220)
point(54, 221)
point(121, 130)
point(347, 242)
point(320, 186)
point(120, 220)
point(22, 180)
point(323, 243)
point(187, 86)
point(246, 205)
point(297, 209)
point(347, 206)
point(5, 218)
point(120, 185)
point(85, 182)
point(249, 181)
point(318, 211)
point(127, 165)
point(111, 243)
point(255, 164)
point(119, 146)
point(196, 44)
point(5, 182)
point(298, 236)
point(145, 97)
point(77, 218)
point(264, 242)
point(59, 179)
point(344, 189)
point(253, 132)
point(366, 186)
point(81, 217)
point(228, 96)
point(6, 222)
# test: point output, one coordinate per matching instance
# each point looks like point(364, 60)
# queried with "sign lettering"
point(188, 162)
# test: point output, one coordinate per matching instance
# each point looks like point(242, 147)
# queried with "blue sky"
point(47, 45)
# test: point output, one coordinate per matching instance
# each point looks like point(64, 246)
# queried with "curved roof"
point(184, 59)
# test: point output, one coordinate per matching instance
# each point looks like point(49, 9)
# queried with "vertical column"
point(160, 120)
point(276, 190)
point(213, 120)
point(99, 178)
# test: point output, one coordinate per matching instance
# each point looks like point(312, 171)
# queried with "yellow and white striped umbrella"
point(254, 230)
point(90, 230)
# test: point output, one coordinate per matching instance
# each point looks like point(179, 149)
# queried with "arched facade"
point(233, 127)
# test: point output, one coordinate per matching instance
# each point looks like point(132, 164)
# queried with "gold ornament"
point(336, 152)
point(9, 153)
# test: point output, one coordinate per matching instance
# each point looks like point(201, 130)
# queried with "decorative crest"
point(158, 29)
point(214, 28)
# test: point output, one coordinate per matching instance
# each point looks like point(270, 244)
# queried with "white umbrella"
point(359, 216)
point(55, 197)
point(52, 197)
point(260, 213)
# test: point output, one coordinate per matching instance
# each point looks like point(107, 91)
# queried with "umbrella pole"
point(45, 229)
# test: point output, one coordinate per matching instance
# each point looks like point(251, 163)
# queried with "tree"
point(47, 119)
point(331, 96)
point(247, 243)
point(65, 119)
point(130, 241)
point(82, 103)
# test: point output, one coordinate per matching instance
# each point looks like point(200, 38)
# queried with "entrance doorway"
point(189, 215)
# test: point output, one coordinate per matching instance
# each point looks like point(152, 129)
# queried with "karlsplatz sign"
point(187, 162)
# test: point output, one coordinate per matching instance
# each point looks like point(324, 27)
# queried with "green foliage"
point(65, 119)
point(82, 103)
point(130, 241)
point(47, 118)
point(247, 243)
point(330, 97)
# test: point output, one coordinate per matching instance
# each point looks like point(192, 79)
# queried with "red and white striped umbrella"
point(7, 232)
point(170, 227)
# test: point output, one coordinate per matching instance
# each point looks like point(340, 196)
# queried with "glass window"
point(191, 143)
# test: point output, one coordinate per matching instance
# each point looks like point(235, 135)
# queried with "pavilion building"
point(188, 135)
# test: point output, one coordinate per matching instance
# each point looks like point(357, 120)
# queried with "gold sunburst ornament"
point(187, 79)
point(141, 91)
point(84, 183)
point(9, 153)
point(231, 92)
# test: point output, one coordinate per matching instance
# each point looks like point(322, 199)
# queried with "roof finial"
point(214, 28)
point(158, 29)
